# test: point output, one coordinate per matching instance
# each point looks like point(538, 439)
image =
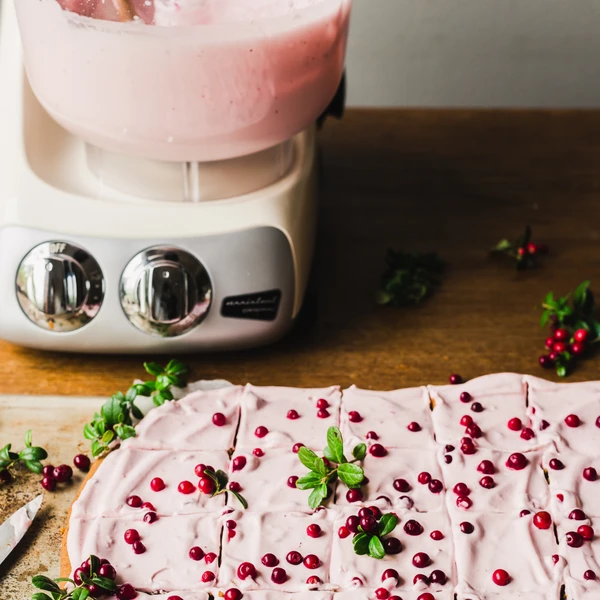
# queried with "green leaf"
point(89, 432)
point(145, 389)
point(376, 549)
point(40, 596)
point(336, 444)
point(98, 448)
point(153, 369)
point(580, 295)
point(159, 399)
point(35, 466)
point(33, 453)
point(176, 367)
point(328, 454)
point(561, 370)
point(545, 318)
point(240, 499)
point(4, 453)
point(112, 410)
point(80, 594)
point(311, 461)
point(28, 438)
point(222, 478)
point(361, 544)
point(124, 432)
point(105, 583)
point(351, 474)
point(131, 394)
point(108, 437)
point(137, 413)
point(42, 582)
point(503, 245)
point(359, 451)
point(312, 480)
point(317, 496)
point(387, 524)
point(164, 381)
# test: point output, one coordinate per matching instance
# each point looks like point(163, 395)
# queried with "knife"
point(16, 526)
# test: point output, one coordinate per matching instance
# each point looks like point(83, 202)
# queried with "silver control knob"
point(60, 287)
point(165, 291)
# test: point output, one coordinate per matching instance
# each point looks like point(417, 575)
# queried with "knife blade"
point(16, 526)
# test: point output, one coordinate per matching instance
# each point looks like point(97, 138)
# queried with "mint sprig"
point(30, 456)
point(115, 420)
point(221, 480)
point(322, 472)
point(52, 591)
point(371, 543)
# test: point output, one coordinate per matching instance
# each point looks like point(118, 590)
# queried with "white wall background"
point(542, 53)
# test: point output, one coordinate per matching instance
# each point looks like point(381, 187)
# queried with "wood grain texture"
point(450, 181)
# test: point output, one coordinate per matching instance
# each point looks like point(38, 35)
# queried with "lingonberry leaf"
point(310, 481)
point(376, 549)
point(106, 584)
point(361, 544)
point(40, 596)
point(351, 474)
point(240, 499)
point(153, 369)
point(387, 524)
point(33, 453)
point(28, 435)
point(98, 448)
point(317, 496)
point(222, 478)
point(311, 461)
point(41, 582)
point(35, 466)
point(328, 454)
point(112, 410)
point(335, 443)
point(4, 453)
point(136, 412)
point(359, 451)
point(80, 594)
point(108, 437)
point(124, 432)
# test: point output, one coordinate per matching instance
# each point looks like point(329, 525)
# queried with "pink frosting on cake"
point(509, 428)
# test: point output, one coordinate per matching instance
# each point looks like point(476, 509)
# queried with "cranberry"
point(549, 343)
point(436, 486)
point(561, 335)
point(313, 580)
point(77, 575)
point(467, 448)
point(323, 413)
point(312, 561)
point(542, 520)
point(196, 553)
point(368, 524)
point(207, 486)
point(524, 513)
point(138, 547)
point(589, 575)
point(343, 532)
point(486, 467)
point(293, 415)
point(134, 501)
point(230, 524)
point(365, 512)
point(371, 435)
point(581, 335)
point(555, 558)
point(354, 496)
point(466, 397)
point(5, 476)
point(210, 558)
point(438, 577)
point(207, 576)
point(352, 523)
point(421, 560)
point(150, 517)
point(578, 349)
point(292, 481)
point(278, 575)
point(420, 578)
point(296, 447)
point(375, 512)
point(392, 545)
point(49, 484)
point(413, 527)
point(572, 421)
point(186, 487)
point(82, 462)
point(390, 574)
point(544, 425)
point(107, 571)
point(426, 596)
point(527, 434)
point(436, 535)
point(586, 532)
point(455, 379)
point(314, 531)
point(63, 473)
point(577, 515)
point(377, 450)
point(476, 407)
point(466, 420)
point(401, 485)
point(464, 502)
point(127, 592)
point(500, 577)
point(467, 527)
point(590, 474)
point(556, 465)
point(487, 482)
point(545, 361)
point(449, 448)
point(424, 478)
point(553, 356)
point(560, 497)
point(574, 539)
point(560, 347)
point(219, 419)
point(354, 416)
point(245, 570)
point(148, 506)
point(461, 489)
point(234, 486)
point(448, 459)
point(515, 424)
point(516, 461)
point(382, 594)
point(294, 558)
point(261, 432)
point(322, 403)
point(414, 427)
point(200, 469)
point(269, 560)
point(157, 484)
point(233, 594)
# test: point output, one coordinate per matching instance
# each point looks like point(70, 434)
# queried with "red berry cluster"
point(564, 347)
point(54, 475)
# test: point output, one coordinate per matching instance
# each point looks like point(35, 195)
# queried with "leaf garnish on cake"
point(115, 420)
point(370, 540)
point(334, 465)
point(219, 485)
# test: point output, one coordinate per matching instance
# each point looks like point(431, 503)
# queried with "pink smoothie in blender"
point(185, 80)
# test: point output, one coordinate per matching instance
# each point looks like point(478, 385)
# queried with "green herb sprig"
point(409, 278)
point(30, 456)
point(323, 472)
point(115, 420)
point(371, 543)
point(522, 250)
point(220, 479)
point(52, 591)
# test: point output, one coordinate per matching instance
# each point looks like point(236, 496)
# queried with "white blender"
point(157, 169)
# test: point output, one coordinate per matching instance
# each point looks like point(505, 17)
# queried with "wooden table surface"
point(448, 181)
